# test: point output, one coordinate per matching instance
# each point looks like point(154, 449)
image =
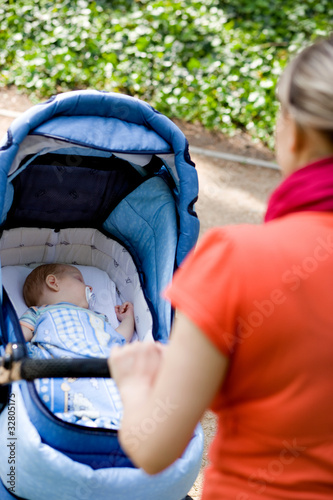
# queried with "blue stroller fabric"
point(109, 162)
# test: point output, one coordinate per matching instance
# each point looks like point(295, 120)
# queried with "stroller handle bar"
point(13, 366)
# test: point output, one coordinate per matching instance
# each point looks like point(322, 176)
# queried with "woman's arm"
point(165, 391)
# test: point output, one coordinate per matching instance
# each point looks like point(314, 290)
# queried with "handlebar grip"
point(65, 367)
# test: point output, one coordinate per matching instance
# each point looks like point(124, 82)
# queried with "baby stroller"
point(102, 181)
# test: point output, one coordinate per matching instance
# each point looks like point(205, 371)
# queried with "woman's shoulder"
point(302, 224)
point(230, 239)
point(243, 249)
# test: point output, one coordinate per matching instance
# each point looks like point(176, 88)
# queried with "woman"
point(253, 338)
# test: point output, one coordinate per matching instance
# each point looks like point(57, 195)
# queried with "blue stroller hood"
point(87, 127)
point(115, 123)
point(99, 179)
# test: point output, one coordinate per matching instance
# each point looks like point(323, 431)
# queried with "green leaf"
point(211, 60)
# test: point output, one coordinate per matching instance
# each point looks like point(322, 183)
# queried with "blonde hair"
point(34, 284)
point(305, 89)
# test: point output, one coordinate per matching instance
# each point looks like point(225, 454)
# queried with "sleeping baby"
point(60, 324)
point(58, 292)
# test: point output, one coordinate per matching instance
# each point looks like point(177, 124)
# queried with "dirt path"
point(230, 193)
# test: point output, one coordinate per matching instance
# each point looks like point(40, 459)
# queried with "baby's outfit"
point(67, 331)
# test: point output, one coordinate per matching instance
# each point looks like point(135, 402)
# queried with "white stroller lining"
point(105, 264)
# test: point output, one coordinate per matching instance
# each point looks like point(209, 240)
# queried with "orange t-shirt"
point(263, 295)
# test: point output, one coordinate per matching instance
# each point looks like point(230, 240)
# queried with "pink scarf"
point(310, 188)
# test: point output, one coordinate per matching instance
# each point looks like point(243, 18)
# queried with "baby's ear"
point(52, 282)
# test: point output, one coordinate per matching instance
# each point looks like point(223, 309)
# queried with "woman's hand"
point(134, 367)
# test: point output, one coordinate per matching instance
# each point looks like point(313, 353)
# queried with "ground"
point(229, 193)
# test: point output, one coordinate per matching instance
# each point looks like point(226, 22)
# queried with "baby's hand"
point(126, 310)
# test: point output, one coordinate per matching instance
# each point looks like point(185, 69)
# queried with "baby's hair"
point(305, 89)
point(34, 284)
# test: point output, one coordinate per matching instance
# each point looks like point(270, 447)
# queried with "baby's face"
point(73, 287)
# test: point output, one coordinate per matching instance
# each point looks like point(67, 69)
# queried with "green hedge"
point(212, 61)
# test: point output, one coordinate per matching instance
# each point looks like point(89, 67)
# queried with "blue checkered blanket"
point(67, 331)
